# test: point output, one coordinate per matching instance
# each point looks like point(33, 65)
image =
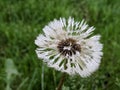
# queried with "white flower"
point(69, 47)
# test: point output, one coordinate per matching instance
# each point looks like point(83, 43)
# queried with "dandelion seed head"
point(70, 47)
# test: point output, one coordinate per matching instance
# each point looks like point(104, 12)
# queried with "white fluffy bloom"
point(69, 46)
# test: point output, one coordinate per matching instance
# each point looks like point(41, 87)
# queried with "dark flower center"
point(68, 47)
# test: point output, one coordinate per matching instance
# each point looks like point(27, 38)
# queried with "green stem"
point(61, 82)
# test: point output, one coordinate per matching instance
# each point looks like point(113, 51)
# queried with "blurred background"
point(21, 21)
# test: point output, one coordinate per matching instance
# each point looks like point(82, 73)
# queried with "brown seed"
point(70, 43)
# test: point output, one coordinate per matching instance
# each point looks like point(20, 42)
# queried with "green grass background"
point(22, 20)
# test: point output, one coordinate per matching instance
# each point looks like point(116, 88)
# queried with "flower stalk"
point(61, 82)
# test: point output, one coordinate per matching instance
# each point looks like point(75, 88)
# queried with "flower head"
point(69, 46)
